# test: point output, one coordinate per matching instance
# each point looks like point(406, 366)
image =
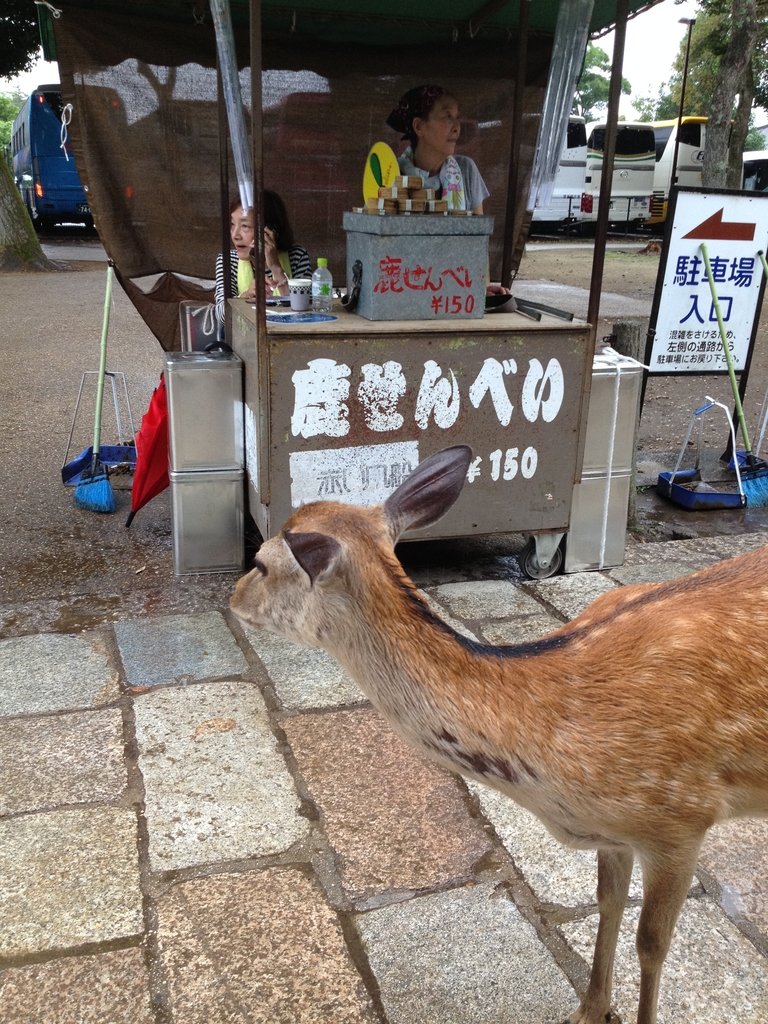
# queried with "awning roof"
point(405, 23)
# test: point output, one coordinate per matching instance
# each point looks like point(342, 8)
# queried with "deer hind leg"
point(614, 868)
point(666, 882)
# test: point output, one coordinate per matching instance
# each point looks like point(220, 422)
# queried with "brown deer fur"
point(631, 730)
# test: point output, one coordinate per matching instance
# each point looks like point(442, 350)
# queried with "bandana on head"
point(416, 102)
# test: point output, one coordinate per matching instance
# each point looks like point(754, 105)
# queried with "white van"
point(633, 168)
point(564, 208)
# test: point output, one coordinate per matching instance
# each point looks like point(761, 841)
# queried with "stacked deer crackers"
point(407, 195)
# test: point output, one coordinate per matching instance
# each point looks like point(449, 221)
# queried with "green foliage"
point(754, 140)
point(19, 37)
point(10, 105)
point(709, 37)
point(593, 86)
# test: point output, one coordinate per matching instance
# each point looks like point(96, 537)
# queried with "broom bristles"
point(754, 483)
point(94, 492)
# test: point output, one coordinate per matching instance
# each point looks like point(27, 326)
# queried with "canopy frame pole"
point(512, 222)
point(226, 237)
point(257, 162)
point(609, 153)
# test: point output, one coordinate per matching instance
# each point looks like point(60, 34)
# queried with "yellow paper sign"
point(381, 169)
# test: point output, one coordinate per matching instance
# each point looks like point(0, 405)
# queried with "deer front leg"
point(666, 882)
point(614, 868)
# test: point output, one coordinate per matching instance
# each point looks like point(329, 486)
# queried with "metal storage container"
point(598, 529)
point(612, 418)
point(419, 266)
point(208, 523)
point(205, 411)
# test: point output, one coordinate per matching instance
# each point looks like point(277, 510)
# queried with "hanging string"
point(66, 117)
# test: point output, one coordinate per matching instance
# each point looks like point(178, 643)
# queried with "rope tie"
point(208, 325)
point(55, 12)
point(66, 117)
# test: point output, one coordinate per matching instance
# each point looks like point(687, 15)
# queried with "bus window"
point(662, 136)
point(756, 171)
point(633, 169)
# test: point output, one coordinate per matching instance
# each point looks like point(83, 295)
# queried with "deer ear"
point(316, 553)
point(429, 491)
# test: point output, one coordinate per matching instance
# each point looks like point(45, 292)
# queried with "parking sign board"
point(684, 335)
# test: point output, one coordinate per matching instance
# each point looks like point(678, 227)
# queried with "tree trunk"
point(19, 245)
point(730, 81)
point(739, 130)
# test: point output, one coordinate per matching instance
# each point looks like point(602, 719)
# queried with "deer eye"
point(260, 566)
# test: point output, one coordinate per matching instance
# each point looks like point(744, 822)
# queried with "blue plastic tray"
point(687, 489)
point(111, 455)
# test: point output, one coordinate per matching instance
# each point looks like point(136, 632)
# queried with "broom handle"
point(102, 363)
point(727, 351)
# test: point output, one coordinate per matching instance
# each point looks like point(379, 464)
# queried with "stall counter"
point(344, 409)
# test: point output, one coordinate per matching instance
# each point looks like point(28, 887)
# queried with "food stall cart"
point(322, 77)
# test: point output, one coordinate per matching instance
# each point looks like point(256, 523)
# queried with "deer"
point(629, 730)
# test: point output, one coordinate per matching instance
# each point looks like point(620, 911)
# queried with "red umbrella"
point(150, 477)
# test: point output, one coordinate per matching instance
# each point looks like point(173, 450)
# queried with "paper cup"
point(300, 291)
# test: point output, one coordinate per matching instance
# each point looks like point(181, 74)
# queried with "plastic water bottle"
point(322, 287)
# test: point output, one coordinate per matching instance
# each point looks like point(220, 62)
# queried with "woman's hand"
point(278, 282)
point(496, 288)
point(271, 257)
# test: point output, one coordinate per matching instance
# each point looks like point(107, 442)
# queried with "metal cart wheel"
point(534, 568)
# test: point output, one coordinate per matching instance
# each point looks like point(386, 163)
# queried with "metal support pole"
point(690, 22)
point(511, 220)
point(257, 162)
point(226, 238)
point(611, 129)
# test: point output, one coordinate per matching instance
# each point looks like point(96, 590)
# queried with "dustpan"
point(686, 488)
point(115, 456)
point(119, 457)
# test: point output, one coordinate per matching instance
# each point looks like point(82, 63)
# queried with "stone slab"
point(174, 648)
point(303, 677)
point(712, 974)
point(108, 988)
point(736, 853)
point(570, 595)
point(61, 759)
point(55, 672)
point(465, 956)
point(556, 873)
point(394, 820)
point(217, 788)
point(68, 878)
point(257, 948)
point(486, 599)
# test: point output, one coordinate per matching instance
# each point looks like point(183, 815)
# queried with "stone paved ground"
point(201, 824)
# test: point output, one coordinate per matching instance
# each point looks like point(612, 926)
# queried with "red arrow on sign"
point(714, 228)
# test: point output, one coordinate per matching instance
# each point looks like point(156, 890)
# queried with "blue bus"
point(44, 173)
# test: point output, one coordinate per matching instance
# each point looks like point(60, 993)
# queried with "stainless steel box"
point(207, 521)
point(598, 529)
point(419, 266)
point(205, 411)
point(612, 416)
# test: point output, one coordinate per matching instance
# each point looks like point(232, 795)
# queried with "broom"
point(94, 492)
point(754, 474)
